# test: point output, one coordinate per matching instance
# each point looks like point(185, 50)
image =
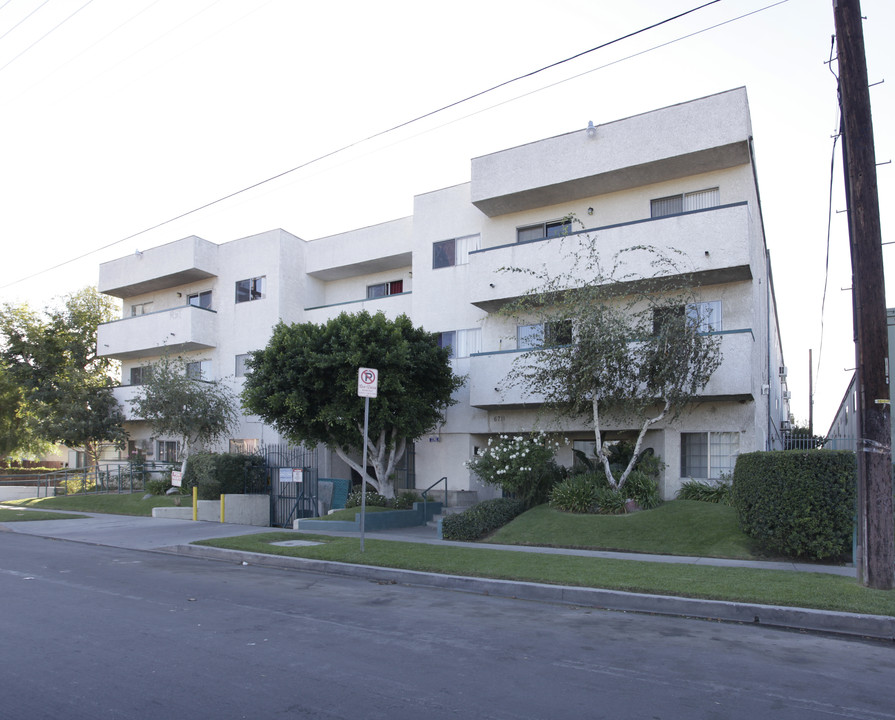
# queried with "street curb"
point(877, 627)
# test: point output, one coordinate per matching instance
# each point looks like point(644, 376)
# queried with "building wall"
point(605, 182)
point(845, 429)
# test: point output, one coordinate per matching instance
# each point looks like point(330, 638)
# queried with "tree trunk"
point(639, 443)
point(383, 462)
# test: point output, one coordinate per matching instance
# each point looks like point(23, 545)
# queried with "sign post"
point(367, 387)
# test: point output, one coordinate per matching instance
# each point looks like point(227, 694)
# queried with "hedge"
point(480, 519)
point(216, 474)
point(800, 503)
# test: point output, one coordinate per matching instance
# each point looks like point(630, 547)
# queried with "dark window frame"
point(251, 289)
point(200, 299)
point(384, 289)
point(544, 230)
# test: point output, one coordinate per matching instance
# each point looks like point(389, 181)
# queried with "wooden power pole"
point(876, 564)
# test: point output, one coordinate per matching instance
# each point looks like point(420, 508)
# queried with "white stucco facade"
point(608, 181)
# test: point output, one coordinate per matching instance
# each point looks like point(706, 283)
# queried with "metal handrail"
point(424, 492)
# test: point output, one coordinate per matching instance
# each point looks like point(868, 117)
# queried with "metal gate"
point(293, 483)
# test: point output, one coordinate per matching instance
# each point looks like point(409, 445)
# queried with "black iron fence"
point(118, 478)
point(292, 476)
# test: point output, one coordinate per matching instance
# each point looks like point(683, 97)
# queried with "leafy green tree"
point(305, 384)
point(175, 404)
point(625, 342)
point(65, 384)
point(18, 427)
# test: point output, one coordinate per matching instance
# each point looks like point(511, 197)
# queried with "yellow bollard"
point(195, 503)
point(222, 508)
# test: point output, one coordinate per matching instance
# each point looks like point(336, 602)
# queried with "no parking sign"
point(367, 382)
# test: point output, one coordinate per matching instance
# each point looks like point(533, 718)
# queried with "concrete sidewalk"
point(175, 537)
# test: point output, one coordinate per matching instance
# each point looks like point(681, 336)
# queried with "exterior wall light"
point(591, 130)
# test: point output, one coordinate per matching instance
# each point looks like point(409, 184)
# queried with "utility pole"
point(876, 564)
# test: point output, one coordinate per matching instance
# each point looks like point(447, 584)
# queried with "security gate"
point(293, 483)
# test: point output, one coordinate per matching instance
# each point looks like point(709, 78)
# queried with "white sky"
point(130, 113)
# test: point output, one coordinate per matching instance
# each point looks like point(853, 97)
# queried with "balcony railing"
point(179, 329)
point(391, 305)
point(488, 387)
point(713, 245)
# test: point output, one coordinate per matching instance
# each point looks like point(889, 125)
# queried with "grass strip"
point(772, 587)
point(117, 504)
point(8, 515)
point(678, 527)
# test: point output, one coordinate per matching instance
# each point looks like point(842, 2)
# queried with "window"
point(249, 445)
point(141, 309)
point(707, 455)
point(558, 333)
point(676, 204)
point(395, 287)
point(199, 370)
point(667, 319)
point(706, 316)
point(141, 375)
point(543, 230)
point(586, 448)
point(454, 251)
point(544, 334)
point(241, 367)
point(252, 289)
point(203, 299)
point(167, 451)
point(529, 336)
point(462, 343)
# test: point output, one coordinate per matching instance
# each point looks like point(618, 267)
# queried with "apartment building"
point(679, 178)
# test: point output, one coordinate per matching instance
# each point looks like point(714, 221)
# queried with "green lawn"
point(776, 587)
point(12, 515)
point(680, 527)
point(123, 504)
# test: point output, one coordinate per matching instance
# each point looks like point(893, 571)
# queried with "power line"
point(52, 30)
point(88, 48)
point(369, 138)
point(823, 301)
point(23, 19)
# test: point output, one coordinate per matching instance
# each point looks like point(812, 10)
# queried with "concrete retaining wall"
point(21, 492)
point(420, 515)
point(238, 509)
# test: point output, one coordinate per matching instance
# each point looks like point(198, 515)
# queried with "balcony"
point(366, 251)
point(179, 329)
point(711, 133)
point(167, 266)
point(488, 372)
point(390, 305)
point(715, 244)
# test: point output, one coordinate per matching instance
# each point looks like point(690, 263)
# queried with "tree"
point(175, 403)
point(66, 385)
point(305, 384)
point(18, 427)
point(626, 342)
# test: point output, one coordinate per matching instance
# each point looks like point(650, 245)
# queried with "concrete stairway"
point(457, 502)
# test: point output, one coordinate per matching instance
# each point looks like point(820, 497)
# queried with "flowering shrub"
point(373, 499)
point(522, 466)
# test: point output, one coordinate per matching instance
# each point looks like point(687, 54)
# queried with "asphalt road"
point(98, 632)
